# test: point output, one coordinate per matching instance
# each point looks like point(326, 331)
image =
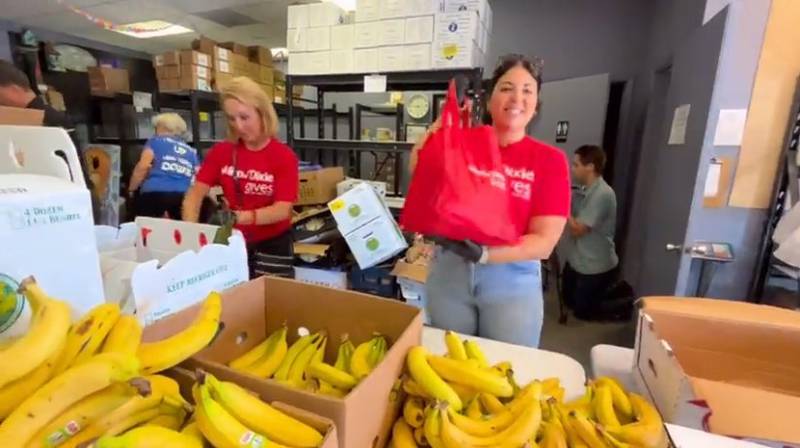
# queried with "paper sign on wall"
point(712, 179)
point(677, 134)
point(375, 83)
point(730, 127)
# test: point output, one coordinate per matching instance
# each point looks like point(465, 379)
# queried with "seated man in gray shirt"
point(591, 258)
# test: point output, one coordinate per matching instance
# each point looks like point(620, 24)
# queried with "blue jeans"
point(495, 301)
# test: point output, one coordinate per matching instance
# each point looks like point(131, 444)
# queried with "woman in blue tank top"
point(165, 169)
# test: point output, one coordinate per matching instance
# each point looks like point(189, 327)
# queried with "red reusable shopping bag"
point(459, 189)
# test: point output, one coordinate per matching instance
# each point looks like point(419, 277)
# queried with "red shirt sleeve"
point(210, 169)
point(551, 189)
point(287, 177)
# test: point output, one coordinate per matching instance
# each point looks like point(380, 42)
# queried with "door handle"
point(673, 247)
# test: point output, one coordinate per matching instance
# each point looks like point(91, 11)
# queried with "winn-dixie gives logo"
point(11, 302)
point(496, 178)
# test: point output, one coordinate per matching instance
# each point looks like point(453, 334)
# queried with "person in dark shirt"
point(15, 91)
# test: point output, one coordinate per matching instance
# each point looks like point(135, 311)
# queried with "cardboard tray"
point(253, 310)
point(730, 368)
point(187, 378)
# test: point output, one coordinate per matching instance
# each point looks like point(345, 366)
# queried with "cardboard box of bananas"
point(94, 383)
point(458, 400)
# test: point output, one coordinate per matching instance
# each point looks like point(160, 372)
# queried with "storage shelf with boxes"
point(388, 36)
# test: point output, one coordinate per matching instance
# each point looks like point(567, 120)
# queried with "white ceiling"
point(55, 16)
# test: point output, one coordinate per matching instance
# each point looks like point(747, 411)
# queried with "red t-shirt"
point(266, 176)
point(538, 180)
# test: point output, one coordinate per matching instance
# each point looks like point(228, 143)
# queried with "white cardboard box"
point(365, 60)
point(417, 57)
point(158, 266)
point(356, 207)
point(393, 32)
point(322, 277)
point(349, 183)
point(222, 54)
point(457, 27)
point(297, 16)
point(423, 7)
point(343, 37)
point(419, 30)
point(376, 241)
point(298, 63)
point(297, 39)
point(368, 10)
point(46, 230)
point(482, 7)
point(319, 38)
point(342, 61)
point(367, 34)
point(453, 55)
point(318, 62)
point(393, 9)
point(391, 59)
point(324, 14)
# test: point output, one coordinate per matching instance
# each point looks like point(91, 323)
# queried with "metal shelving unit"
point(399, 81)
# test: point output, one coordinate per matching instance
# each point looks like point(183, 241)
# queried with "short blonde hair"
point(247, 91)
point(170, 121)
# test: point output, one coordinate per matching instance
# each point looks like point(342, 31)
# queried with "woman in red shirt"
point(496, 292)
point(258, 175)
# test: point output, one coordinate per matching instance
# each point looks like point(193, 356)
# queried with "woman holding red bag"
point(496, 292)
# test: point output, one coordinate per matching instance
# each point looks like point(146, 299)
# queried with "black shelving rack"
point(434, 80)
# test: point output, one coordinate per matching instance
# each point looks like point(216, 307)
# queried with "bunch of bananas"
point(65, 384)
point(228, 416)
point(302, 365)
point(459, 400)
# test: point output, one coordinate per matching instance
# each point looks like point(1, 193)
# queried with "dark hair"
point(10, 75)
point(533, 66)
point(592, 154)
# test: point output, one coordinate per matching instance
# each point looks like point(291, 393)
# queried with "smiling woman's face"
point(513, 101)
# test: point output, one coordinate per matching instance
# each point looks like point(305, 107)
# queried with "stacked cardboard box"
point(261, 59)
point(221, 70)
point(183, 70)
point(388, 36)
point(108, 81)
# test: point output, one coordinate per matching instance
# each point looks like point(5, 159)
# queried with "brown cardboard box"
point(204, 45)
point(253, 310)
point(195, 70)
point(236, 48)
point(268, 89)
point(280, 77)
point(105, 80)
point(265, 75)
point(186, 379)
point(168, 71)
point(239, 64)
point(192, 57)
point(319, 186)
point(260, 55)
point(55, 99)
point(191, 81)
point(169, 84)
point(168, 58)
point(222, 54)
point(219, 79)
point(415, 272)
point(732, 368)
point(21, 117)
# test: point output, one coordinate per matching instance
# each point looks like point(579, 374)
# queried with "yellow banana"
point(429, 380)
point(125, 336)
point(261, 417)
point(282, 374)
point(344, 354)
point(81, 414)
point(403, 435)
point(221, 428)
point(298, 369)
point(648, 431)
point(432, 427)
point(274, 350)
point(621, 402)
point(465, 393)
point(169, 352)
point(414, 412)
point(474, 352)
point(419, 437)
point(549, 384)
point(586, 430)
point(149, 437)
point(172, 421)
point(500, 421)
point(474, 410)
point(491, 403)
point(582, 404)
point(367, 356)
point(49, 324)
point(603, 406)
point(332, 375)
point(520, 432)
point(411, 387)
point(329, 389)
point(612, 441)
point(14, 393)
point(455, 348)
point(62, 392)
point(191, 430)
point(553, 436)
point(87, 335)
point(465, 374)
point(502, 368)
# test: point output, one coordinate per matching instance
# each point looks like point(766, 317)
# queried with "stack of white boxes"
point(388, 36)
